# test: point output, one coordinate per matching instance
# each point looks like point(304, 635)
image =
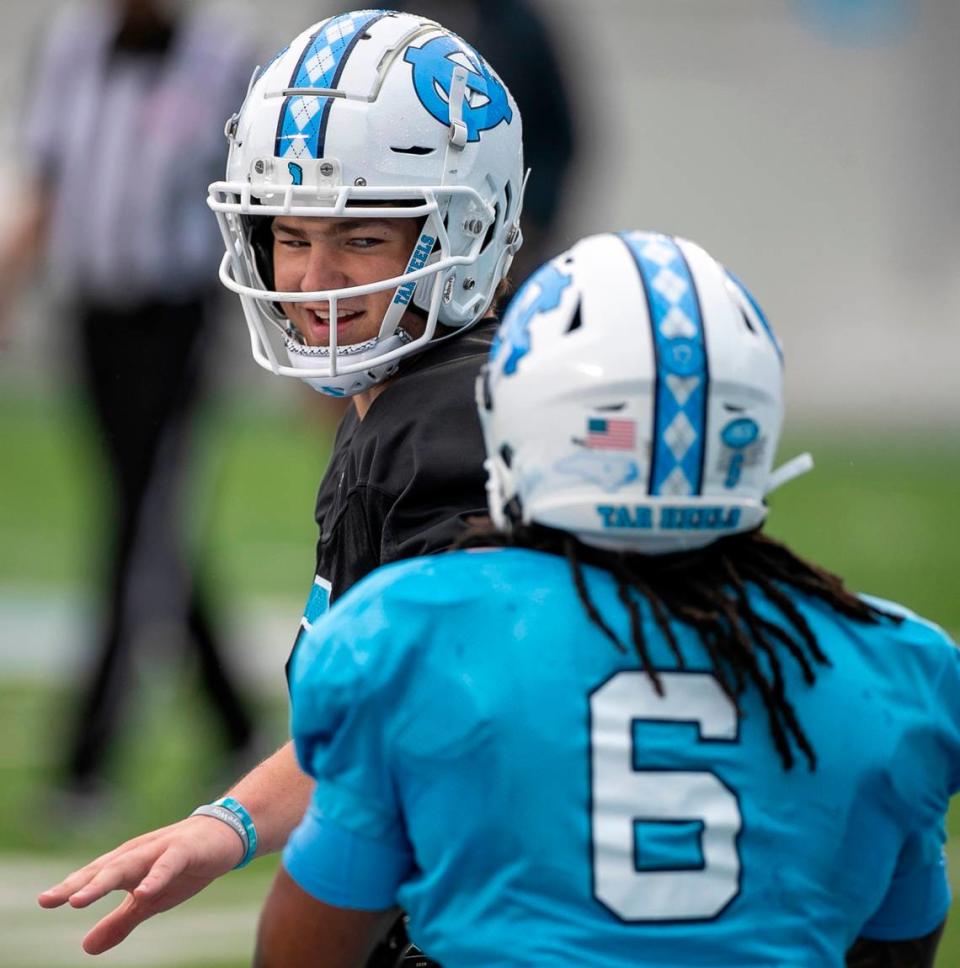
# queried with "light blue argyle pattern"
point(679, 438)
point(300, 133)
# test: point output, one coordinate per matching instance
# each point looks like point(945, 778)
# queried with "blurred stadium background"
point(814, 145)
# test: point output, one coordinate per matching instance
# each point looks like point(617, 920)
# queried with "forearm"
point(298, 931)
point(276, 794)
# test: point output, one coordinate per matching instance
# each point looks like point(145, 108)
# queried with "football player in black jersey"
point(370, 213)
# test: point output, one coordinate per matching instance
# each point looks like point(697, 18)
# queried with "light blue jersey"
point(487, 760)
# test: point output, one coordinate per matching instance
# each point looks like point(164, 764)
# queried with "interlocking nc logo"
point(486, 103)
point(541, 293)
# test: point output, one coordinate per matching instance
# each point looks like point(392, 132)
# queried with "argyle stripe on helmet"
point(682, 377)
point(301, 130)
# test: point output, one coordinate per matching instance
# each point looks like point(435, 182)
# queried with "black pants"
point(141, 370)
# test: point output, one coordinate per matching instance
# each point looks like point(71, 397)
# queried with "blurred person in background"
point(369, 237)
point(625, 728)
point(122, 132)
point(526, 43)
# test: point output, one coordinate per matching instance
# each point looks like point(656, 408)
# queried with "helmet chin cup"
point(304, 357)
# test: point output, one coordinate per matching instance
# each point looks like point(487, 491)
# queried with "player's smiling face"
point(316, 254)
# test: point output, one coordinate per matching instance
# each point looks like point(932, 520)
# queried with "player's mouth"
point(317, 325)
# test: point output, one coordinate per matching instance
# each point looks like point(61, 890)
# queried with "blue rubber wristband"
point(240, 812)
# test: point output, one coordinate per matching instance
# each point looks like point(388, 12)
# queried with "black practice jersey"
point(403, 481)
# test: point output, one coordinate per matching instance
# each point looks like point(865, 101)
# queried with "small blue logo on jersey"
point(296, 172)
point(541, 293)
point(485, 102)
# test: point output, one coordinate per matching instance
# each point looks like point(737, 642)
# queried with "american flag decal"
point(604, 434)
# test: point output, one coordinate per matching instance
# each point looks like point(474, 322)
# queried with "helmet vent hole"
point(492, 228)
point(506, 454)
point(576, 321)
point(487, 395)
point(750, 325)
point(413, 150)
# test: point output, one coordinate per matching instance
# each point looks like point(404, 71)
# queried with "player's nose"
point(323, 270)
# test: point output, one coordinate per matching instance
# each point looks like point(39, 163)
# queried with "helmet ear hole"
point(260, 234)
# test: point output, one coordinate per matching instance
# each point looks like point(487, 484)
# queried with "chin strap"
point(787, 472)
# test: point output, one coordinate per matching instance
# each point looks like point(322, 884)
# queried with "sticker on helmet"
point(541, 293)
point(740, 433)
point(606, 434)
point(485, 103)
point(669, 518)
point(608, 471)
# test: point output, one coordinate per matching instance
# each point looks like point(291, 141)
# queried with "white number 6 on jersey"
point(622, 795)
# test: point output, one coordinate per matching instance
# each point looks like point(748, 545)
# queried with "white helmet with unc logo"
point(634, 398)
point(373, 114)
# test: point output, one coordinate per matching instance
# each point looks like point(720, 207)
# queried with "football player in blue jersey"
point(624, 728)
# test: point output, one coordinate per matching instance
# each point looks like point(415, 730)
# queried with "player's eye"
point(364, 242)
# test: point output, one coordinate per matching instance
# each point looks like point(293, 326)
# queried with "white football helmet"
point(373, 114)
point(634, 398)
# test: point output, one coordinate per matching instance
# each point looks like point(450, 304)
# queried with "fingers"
point(54, 896)
point(111, 930)
point(170, 865)
point(159, 871)
point(114, 878)
point(163, 887)
point(75, 882)
point(92, 882)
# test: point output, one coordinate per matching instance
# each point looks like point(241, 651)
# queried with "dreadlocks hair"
point(707, 590)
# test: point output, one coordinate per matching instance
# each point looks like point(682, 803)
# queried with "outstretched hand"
point(159, 870)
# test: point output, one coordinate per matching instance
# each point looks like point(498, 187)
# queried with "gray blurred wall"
point(824, 170)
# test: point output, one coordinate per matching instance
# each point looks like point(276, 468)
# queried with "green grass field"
point(877, 509)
